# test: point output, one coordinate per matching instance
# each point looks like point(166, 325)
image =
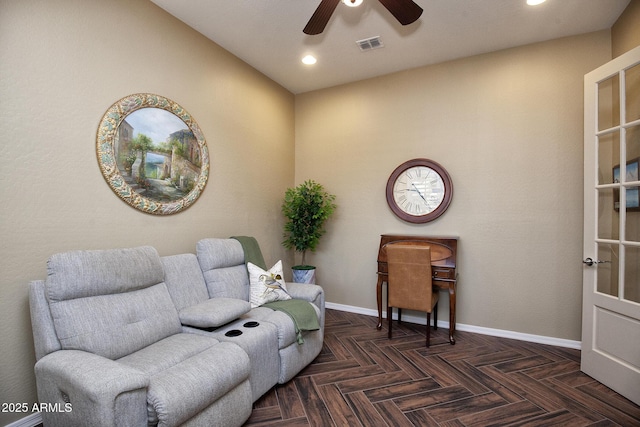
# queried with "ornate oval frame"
point(113, 163)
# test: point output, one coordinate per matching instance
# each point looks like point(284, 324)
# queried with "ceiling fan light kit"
point(405, 11)
point(352, 3)
point(309, 60)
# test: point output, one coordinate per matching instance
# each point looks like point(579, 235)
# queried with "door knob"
point(590, 262)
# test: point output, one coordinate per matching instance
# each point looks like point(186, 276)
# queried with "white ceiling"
point(267, 34)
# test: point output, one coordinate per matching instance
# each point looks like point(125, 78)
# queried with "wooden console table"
point(443, 263)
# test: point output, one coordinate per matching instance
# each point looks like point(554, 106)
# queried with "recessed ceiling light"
point(535, 2)
point(352, 3)
point(309, 60)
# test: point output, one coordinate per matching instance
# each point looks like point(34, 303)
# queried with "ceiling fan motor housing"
point(405, 11)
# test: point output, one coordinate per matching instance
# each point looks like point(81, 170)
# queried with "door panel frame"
point(608, 368)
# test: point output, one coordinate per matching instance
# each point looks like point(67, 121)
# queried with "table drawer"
point(443, 273)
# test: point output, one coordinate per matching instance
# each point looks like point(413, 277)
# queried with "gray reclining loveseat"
point(128, 338)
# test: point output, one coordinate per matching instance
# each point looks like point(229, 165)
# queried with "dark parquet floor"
point(363, 379)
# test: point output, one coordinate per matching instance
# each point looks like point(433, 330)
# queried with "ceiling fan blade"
point(321, 17)
point(405, 11)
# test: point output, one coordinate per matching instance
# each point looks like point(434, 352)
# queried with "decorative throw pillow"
point(266, 286)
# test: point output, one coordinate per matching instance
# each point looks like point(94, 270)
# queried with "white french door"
point(611, 278)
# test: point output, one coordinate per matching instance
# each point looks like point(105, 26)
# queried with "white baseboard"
point(422, 320)
point(28, 421)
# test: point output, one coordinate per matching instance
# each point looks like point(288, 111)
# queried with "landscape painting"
point(152, 154)
point(157, 154)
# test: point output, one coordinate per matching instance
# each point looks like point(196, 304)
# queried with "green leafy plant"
point(306, 208)
point(143, 144)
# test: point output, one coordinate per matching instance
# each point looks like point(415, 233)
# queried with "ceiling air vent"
point(370, 43)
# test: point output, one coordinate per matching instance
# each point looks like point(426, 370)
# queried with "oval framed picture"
point(152, 154)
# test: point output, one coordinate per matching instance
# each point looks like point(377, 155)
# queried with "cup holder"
point(233, 333)
point(251, 324)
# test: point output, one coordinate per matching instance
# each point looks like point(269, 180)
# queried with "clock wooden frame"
point(420, 219)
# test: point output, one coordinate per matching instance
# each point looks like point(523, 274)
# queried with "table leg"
point(452, 313)
point(379, 297)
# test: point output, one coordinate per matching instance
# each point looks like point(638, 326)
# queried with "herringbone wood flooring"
point(363, 379)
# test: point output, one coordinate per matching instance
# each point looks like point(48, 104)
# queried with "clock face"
point(419, 191)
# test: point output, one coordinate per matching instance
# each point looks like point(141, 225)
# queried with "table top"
point(443, 249)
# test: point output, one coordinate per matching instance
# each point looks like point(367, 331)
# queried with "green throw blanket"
point(303, 315)
point(252, 252)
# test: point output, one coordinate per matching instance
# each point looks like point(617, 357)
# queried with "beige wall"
point(508, 128)
point(62, 64)
point(625, 33)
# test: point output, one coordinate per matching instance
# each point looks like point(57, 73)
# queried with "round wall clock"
point(419, 191)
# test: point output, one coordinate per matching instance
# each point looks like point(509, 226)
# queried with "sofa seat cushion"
point(286, 328)
point(188, 373)
point(115, 325)
point(168, 352)
point(214, 312)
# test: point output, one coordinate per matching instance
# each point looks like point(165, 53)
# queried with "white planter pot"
point(304, 276)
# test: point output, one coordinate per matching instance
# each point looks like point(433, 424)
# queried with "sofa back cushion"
point(110, 302)
point(116, 325)
point(79, 274)
point(223, 267)
point(184, 279)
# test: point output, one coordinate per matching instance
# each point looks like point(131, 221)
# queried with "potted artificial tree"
point(306, 208)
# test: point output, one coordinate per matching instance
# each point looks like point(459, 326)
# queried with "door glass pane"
point(633, 205)
point(632, 90)
point(633, 142)
point(632, 274)
point(608, 271)
point(609, 103)
point(608, 156)
point(608, 216)
point(632, 223)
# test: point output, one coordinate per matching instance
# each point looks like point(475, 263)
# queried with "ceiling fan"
point(405, 11)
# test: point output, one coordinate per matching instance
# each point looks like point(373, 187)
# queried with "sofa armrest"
point(86, 386)
point(44, 334)
point(304, 291)
point(214, 312)
point(312, 293)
